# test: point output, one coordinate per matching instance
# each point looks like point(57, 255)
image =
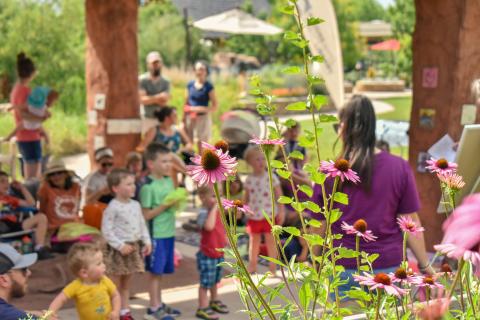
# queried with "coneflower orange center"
point(428, 280)
point(210, 160)
point(342, 165)
point(238, 203)
point(400, 273)
point(360, 225)
point(223, 145)
point(442, 163)
point(410, 226)
point(446, 268)
point(383, 279)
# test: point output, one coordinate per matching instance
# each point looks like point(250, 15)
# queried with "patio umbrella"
point(387, 45)
point(236, 21)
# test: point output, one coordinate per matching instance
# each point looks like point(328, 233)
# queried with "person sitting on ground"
point(166, 133)
point(14, 274)
point(10, 221)
point(59, 196)
point(85, 260)
point(212, 240)
point(126, 234)
point(96, 185)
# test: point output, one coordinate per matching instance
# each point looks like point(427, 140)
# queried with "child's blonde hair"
point(250, 151)
point(80, 256)
point(133, 157)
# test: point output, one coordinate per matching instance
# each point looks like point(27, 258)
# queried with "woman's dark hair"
point(25, 66)
point(163, 112)
point(68, 183)
point(358, 135)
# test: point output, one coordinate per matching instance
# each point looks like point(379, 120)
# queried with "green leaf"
point(290, 123)
point(277, 164)
point(307, 142)
point(290, 9)
point(314, 80)
point(267, 217)
point(305, 295)
point(347, 253)
point(314, 223)
point(302, 43)
point(290, 35)
point(341, 197)
point(328, 118)
point(289, 239)
point(319, 59)
point(312, 206)
point(292, 230)
point(320, 100)
point(297, 106)
point(265, 110)
point(285, 200)
point(314, 21)
point(335, 214)
point(372, 257)
point(292, 70)
point(313, 239)
point(297, 206)
point(318, 177)
point(284, 173)
point(255, 92)
point(295, 154)
point(307, 190)
point(358, 294)
point(270, 259)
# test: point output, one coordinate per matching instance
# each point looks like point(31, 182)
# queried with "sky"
point(385, 3)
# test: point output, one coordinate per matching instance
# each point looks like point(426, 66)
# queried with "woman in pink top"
point(29, 141)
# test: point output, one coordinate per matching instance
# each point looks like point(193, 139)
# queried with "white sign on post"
point(100, 101)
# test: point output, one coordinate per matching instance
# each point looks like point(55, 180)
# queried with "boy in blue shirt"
point(161, 220)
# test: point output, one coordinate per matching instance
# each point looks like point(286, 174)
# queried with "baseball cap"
point(154, 56)
point(11, 259)
point(103, 152)
point(38, 97)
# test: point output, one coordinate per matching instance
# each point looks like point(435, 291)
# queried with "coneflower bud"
point(223, 145)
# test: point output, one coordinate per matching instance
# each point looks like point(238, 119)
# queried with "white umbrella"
point(237, 22)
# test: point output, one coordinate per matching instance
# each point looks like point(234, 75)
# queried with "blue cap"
point(38, 97)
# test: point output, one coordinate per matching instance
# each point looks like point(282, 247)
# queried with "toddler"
point(126, 233)
point(95, 295)
point(257, 196)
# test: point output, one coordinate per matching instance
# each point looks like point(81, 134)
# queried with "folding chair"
point(21, 213)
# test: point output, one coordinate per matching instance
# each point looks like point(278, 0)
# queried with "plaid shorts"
point(210, 271)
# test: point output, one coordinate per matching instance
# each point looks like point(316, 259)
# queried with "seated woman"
point(96, 187)
point(167, 134)
point(59, 196)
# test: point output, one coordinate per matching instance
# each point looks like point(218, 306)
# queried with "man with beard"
point(14, 274)
point(154, 90)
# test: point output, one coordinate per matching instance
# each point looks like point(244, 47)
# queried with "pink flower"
point(379, 281)
point(211, 167)
point(229, 204)
point(340, 168)
point(441, 166)
point(451, 180)
point(435, 309)
point(359, 228)
point(403, 276)
point(407, 224)
point(462, 236)
point(259, 141)
point(428, 281)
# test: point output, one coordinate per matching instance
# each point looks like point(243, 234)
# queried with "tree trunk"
point(445, 41)
point(112, 71)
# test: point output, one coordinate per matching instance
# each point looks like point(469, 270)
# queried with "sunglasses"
point(58, 173)
point(107, 164)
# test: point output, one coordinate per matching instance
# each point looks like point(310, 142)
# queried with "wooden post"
point(446, 59)
point(112, 76)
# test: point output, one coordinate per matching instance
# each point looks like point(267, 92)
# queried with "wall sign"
point(430, 77)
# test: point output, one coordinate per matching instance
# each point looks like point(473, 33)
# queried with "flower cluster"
point(407, 225)
point(359, 229)
point(441, 166)
point(379, 281)
point(340, 168)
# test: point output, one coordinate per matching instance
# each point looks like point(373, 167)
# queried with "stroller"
point(238, 127)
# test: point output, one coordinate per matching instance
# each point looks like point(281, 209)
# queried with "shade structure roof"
point(236, 21)
point(387, 45)
point(375, 28)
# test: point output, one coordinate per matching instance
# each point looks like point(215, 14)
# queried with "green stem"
point(239, 259)
point(461, 263)
point(396, 308)
point(404, 259)
point(357, 249)
point(377, 308)
point(469, 293)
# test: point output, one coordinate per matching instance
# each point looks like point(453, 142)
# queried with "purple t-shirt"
point(393, 191)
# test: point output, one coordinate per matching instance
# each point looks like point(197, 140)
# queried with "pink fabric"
point(18, 97)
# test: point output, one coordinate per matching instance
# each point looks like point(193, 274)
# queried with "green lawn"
point(403, 107)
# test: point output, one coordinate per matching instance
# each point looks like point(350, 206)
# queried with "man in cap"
point(14, 275)
point(96, 186)
point(154, 90)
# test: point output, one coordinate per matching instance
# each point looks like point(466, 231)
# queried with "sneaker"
point(171, 311)
point(218, 306)
point(160, 314)
point(44, 254)
point(127, 316)
point(206, 313)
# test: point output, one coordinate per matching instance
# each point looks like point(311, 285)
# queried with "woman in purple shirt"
point(386, 192)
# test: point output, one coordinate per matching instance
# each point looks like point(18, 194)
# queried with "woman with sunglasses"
point(96, 186)
point(59, 196)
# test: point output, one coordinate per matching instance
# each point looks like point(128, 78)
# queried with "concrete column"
point(445, 42)
point(112, 71)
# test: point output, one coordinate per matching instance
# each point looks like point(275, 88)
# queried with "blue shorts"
point(31, 151)
point(160, 261)
point(210, 271)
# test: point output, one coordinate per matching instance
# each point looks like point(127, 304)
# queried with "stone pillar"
point(112, 73)
point(446, 59)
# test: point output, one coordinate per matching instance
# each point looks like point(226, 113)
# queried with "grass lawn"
point(403, 107)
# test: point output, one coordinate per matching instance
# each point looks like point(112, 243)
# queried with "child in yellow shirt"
point(95, 295)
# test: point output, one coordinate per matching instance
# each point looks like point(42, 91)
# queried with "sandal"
point(219, 306)
point(206, 313)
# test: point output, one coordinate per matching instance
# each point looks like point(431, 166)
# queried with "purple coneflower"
point(340, 168)
point(441, 166)
point(359, 228)
point(429, 282)
point(259, 141)
point(403, 276)
point(407, 224)
point(211, 167)
point(238, 204)
point(451, 180)
point(379, 281)
point(435, 309)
